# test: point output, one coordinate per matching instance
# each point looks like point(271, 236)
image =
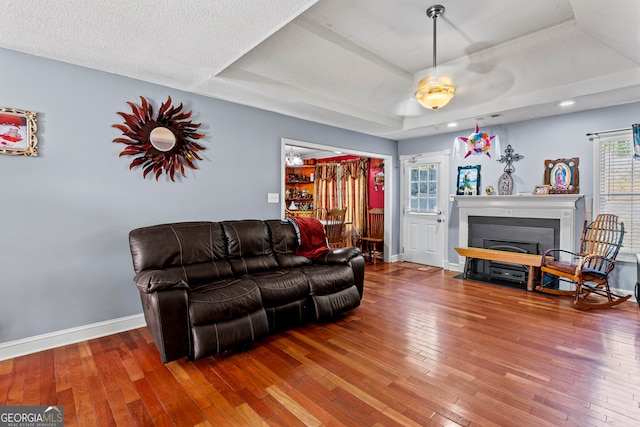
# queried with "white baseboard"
point(37, 343)
point(456, 267)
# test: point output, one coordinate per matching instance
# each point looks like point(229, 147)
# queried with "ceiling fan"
point(435, 91)
point(477, 76)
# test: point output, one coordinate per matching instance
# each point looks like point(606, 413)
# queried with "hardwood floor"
point(422, 349)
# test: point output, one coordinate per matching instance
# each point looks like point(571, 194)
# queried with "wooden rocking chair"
point(589, 269)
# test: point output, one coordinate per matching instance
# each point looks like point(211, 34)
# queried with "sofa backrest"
point(195, 251)
point(249, 246)
point(285, 242)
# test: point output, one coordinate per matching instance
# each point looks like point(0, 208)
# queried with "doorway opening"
point(304, 191)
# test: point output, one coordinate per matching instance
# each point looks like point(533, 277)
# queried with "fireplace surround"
point(546, 220)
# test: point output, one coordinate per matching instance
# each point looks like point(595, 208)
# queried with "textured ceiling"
point(353, 64)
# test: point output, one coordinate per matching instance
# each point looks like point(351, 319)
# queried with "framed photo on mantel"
point(468, 180)
point(541, 190)
point(562, 176)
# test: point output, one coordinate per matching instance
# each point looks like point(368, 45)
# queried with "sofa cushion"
point(249, 246)
point(285, 242)
point(281, 286)
point(328, 279)
point(326, 307)
point(223, 300)
point(332, 290)
point(195, 251)
point(221, 336)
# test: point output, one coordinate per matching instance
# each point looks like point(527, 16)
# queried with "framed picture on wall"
point(468, 180)
point(562, 176)
point(18, 132)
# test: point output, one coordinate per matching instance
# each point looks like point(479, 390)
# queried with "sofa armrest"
point(167, 316)
point(349, 256)
point(154, 280)
point(337, 256)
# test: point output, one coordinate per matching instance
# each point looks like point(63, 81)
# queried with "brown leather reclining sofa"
point(207, 287)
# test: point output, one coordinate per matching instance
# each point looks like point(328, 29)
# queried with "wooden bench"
point(532, 261)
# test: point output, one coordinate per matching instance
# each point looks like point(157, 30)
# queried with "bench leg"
point(531, 278)
point(468, 267)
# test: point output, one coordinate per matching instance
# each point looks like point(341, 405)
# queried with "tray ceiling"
point(353, 64)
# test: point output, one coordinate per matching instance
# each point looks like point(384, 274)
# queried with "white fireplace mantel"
point(563, 207)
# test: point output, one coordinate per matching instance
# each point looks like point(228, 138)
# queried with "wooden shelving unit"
point(299, 190)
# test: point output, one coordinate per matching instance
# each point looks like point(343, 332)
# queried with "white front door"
point(424, 207)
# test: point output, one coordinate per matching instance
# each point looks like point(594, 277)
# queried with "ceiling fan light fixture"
point(435, 92)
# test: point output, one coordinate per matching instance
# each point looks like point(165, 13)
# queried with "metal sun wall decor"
point(165, 143)
point(505, 182)
point(18, 132)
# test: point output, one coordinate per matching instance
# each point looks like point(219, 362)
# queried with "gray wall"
point(66, 214)
point(562, 136)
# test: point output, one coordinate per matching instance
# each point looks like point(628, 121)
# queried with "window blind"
point(618, 188)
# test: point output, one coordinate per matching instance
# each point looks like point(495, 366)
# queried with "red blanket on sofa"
point(313, 240)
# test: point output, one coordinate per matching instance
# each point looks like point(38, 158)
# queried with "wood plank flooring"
point(422, 349)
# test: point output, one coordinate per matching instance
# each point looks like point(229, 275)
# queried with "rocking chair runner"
point(588, 270)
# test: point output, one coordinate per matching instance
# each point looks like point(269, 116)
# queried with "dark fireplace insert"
point(524, 235)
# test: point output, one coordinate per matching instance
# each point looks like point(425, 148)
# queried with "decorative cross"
point(509, 158)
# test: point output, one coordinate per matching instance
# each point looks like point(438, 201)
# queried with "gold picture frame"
point(18, 130)
point(539, 190)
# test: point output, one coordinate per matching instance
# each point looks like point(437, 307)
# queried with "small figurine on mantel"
point(505, 183)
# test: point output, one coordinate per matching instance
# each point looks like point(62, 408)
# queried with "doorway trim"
point(388, 185)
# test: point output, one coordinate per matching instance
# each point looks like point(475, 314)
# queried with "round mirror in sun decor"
point(164, 144)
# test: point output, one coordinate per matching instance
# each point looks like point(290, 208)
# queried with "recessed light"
point(338, 152)
point(452, 124)
point(567, 103)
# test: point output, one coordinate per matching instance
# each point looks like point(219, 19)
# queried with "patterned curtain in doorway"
point(355, 195)
point(326, 186)
point(344, 185)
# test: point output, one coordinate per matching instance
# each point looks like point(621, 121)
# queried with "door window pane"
point(424, 188)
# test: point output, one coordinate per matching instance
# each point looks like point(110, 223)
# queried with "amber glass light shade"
point(434, 93)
